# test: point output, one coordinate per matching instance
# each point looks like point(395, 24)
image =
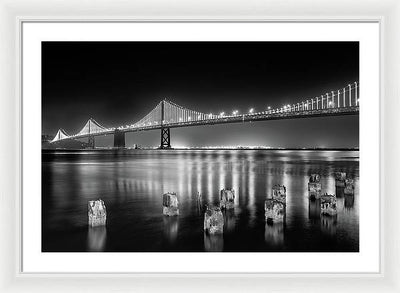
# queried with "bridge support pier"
point(119, 139)
point(91, 142)
point(165, 138)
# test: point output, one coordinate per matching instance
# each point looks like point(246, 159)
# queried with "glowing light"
point(235, 112)
point(189, 118)
point(180, 119)
point(251, 110)
point(269, 108)
point(222, 114)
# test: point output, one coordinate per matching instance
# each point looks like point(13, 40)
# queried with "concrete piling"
point(328, 204)
point(275, 206)
point(314, 178)
point(314, 187)
point(349, 187)
point(314, 190)
point(227, 199)
point(274, 211)
point(279, 193)
point(213, 220)
point(340, 178)
point(97, 213)
point(170, 204)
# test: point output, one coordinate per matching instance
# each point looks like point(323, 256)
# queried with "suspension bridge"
point(166, 115)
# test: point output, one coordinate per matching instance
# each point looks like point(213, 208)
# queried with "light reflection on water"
point(213, 243)
point(131, 183)
point(96, 238)
point(274, 234)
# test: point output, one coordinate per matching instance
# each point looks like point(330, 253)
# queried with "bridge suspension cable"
point(174, 113)
point(91, 127)
point(169, 114)
point(61, 134)
point(152, 118)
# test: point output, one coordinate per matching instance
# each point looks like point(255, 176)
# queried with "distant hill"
point(65, 144)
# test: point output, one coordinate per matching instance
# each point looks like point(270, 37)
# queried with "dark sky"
point(117, 83)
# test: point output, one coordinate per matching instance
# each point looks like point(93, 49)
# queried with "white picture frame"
point(33, 260)
point(12, 279)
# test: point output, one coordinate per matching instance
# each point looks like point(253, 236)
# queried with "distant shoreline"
point(206, 149)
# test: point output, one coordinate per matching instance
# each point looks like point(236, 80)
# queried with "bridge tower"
point(165, 131)
point(91, 141)
point(119, 138)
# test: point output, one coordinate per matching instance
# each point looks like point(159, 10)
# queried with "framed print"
point(201, 148)
point(273, 176)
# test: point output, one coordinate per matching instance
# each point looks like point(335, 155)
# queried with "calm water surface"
point(132, 182)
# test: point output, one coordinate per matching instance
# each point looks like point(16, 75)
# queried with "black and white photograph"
point(201, 146)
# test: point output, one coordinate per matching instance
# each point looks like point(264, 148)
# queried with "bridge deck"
point(261, 116)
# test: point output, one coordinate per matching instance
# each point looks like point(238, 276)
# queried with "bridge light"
point(251, 110)
point(269, 108)
point(222, 114)
point(235, 112)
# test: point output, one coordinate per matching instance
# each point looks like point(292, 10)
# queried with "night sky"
point(117, 83)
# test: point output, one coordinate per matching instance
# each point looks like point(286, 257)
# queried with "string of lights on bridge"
point(167, 113)
point(322, 102)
